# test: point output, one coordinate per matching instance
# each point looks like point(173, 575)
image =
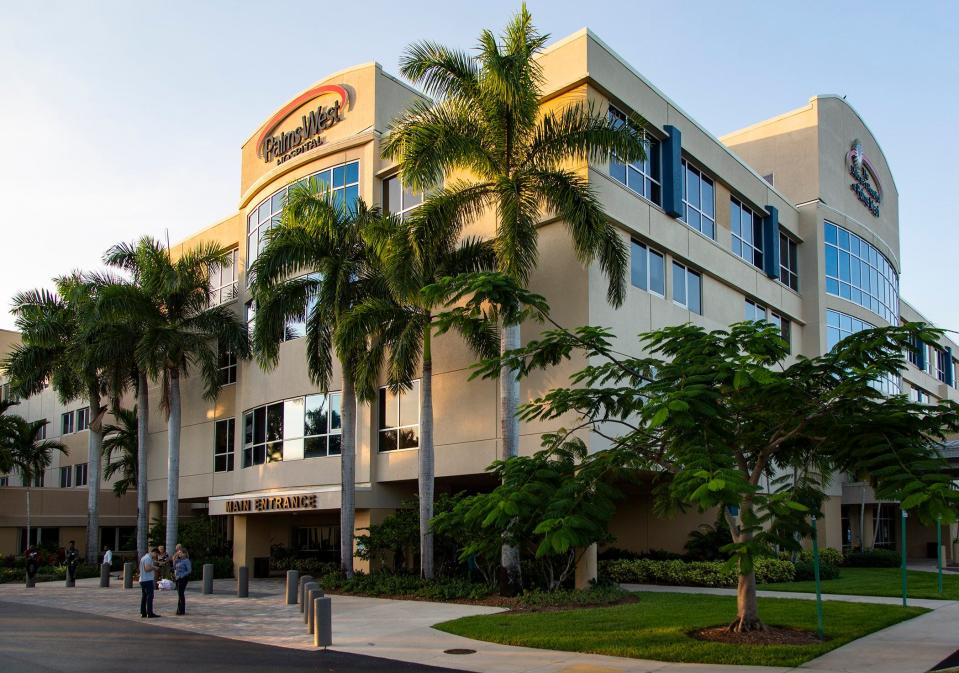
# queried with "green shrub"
point(388, 584)
point(873, 558)
point(222, 568)
point(806, 571)
point(694, 573)
point(600, 594)
point(312, 566)
point(828, 555)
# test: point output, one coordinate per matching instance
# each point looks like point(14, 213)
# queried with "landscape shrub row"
point(695, 573)
point(47, 573)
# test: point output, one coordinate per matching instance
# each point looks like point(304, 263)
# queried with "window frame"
point(844, 249)
point(66, 423)
point(224, 291)
point(688, 168)
point(403, 194)
point(66, 476)
point(83, 419)
point(381, 427)
point(226, 365)
point(788, 262)
point(80, 474)
point(651, 177)
point(756, 249)
point(647, 251)
point(686, 273)
point(228, 455)
point(291, 441)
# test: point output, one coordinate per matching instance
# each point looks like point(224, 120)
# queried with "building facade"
point(793, 220)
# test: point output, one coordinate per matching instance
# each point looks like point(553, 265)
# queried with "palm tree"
point(59, 344)
point(124, 441)
point(181, 332)
point(30, 456)
point(316, 267)
point(486, 123)
point(7, 431)
point(415, 253)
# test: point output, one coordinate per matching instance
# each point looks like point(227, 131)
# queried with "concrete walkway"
point(401, 630)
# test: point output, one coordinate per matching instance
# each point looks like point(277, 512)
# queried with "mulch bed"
point(773, 635)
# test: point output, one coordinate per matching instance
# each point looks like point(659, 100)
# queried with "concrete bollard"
point(69, 581)
point(207, 578)
point(31, 582)
point(243, 582)
point(306, 579)
point(322, 622)
point(292, 579)
point(128, 575)
point(307, 588)
point(311, 611)
point(104, 575)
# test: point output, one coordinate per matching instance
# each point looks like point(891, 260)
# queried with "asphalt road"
point(40, 640)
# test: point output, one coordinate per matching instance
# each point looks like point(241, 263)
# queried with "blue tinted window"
point(698, 200)
point(643, 177)
point(857, 271)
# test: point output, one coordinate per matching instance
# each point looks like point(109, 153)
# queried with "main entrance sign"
point(288, 144)
point(866, 185)
point(278, 503)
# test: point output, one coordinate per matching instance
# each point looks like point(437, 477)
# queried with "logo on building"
point(281, 147)
point(866, 182)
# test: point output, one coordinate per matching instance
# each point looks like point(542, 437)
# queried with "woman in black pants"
point(181, 572)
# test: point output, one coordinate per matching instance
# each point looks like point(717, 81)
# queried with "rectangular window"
point(942, 362)
point(39, 478)
point(296, 329)
point(5, 480)
point(399, 419)
point(687, 288)
point(784, 325)
point(293, 429)
point(838, 327)
point(788, 262)
point(227, 365)
point(915, 353)
point(747, 229)
point(66, 474)
point(917, 394)
point(6, 393)
point(66, 423)
point(223, 445)
point(858, 272)
point(648, 269)
point(699, 202)
point(399, 199)
point(643, 177)
point(80, 474)
point(223, 285)
point(41, 431)
point(342, 181)
point(755, 311)
point(83, 418)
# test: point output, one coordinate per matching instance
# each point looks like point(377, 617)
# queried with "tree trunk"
point(94, 448)
point(348, 476)
point(143, 410)
point(512, 580)
point(427, 464)
point(27, 546)
point(173, 466)
point(747, 606)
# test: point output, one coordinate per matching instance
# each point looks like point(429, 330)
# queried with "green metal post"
point(939, 553)
point(820, 630)
point(902, 543)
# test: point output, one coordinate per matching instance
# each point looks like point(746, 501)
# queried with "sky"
point(119, 120)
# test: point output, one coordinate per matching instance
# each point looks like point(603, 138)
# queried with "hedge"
point(873, 558)
point(695, 574)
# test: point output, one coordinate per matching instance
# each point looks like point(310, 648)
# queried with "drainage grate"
point(459, 650)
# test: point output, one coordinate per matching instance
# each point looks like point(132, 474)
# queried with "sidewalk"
point(401, 630)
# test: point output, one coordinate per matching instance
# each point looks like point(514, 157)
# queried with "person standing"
point(73, 560)
point(181, 572)
point(148, 584)
point(108, 555)
point(162, 564)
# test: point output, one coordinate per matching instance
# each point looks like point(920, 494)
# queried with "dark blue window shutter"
point(948, 380)
point(673, 172)
point(771, 242)
point(921, 352)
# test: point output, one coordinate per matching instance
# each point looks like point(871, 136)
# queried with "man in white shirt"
point(148, 584)
point(107, 555)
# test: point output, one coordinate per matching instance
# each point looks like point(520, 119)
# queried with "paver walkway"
point(401, 630)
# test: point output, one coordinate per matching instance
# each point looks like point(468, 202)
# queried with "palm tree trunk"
point(348, 476)
point(427, 460)
point(512, 580)
point(95, 448)
point(173, 465)
point(27, 546)
point(143, 410)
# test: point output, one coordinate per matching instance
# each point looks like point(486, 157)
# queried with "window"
point(80, 474)
point(755, 311)
point(5, 480)
point(747, 228)
point(785, 327)
point(223, 444)
point(643, 177)
point(788, 262)
point(839, 326)
point(66, 423)
point(857, 271)
point(250, 316)
point(223, 286)
point(343, 181)
point(227, 365)
point(942, 363)
point(687, 288)
point(296, 329)
point(66, 474)
point(648, 269)
point(917, 394)
point(293, 429)
point(41, 431)
point(699, 203)
point(6, 393)
point(918, 355)
point(83, 418)
point(38, 480)
point(398, 199)
point(399, 419)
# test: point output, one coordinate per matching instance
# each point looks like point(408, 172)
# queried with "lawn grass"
point(878, 582)
point(656, 628)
